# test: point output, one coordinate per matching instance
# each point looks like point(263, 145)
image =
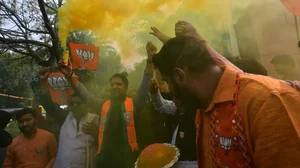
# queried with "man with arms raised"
point(78, 129)
point(117, 141)
point(244, 120)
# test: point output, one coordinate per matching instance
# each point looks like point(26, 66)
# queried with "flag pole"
point(297, 30)
point(298, 37)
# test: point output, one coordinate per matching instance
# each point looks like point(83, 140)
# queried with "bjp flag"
point(59, 87)
point(293, 6)
point(84, 56)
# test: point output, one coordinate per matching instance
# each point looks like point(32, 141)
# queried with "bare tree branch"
point(9, 32)
point(20, 22)
point(14, 59)
point(46, 19)
point(50, 7)
point(54, 3)
point(11, 17)
point(60, 3)
point(32, 31)
point(15, 41)
point(3, 50)
point(35, 56)
point(54, 37)
point(28, 47)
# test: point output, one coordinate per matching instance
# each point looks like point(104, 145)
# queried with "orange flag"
point(59, 87)
point(293, 6)
point(84, 56)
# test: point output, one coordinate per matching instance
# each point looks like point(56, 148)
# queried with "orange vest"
point(128, 117)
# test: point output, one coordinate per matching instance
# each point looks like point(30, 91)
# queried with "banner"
point(59, 87)
point(293, 6)
point(84, 56)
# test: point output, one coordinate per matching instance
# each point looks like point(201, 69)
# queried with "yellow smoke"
point(122, 21)
point(100, 15)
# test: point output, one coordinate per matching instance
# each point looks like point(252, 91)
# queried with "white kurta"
point(72, 149)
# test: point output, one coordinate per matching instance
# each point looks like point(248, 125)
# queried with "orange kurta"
point(33, 153)
point(271, 114)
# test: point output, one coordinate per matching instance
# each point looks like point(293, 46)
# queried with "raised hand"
point(184, 28)
point(153, 86)
point(66, 70)
point(151, 50)
point(155, 32)
point(161, 36)
point(44, 73)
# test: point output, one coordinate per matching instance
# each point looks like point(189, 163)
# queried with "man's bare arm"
point(161, 36)
point(94, 102)
point(183, 28)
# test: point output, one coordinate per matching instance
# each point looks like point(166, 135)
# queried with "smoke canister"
point(66, 57)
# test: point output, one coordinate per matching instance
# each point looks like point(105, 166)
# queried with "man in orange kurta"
point(34, 148)
point(244, 120)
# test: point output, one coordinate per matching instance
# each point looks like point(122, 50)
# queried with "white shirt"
point(175, 135)
point(73, 145)
point(162, 105)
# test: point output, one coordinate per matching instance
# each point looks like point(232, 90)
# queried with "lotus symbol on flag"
point(58, 83)
point(226, 144)
point(86, 55)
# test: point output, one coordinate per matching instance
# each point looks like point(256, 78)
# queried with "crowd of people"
point(219, 113)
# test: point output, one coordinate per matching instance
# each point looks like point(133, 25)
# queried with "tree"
point(29, 28)
point(29, 33)
point(15, 76)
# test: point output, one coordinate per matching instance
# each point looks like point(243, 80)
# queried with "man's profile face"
point(27, 123)
point(182, 95)
point(117, 87)
point(174, 89)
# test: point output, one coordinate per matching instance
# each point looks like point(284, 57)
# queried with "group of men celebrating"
point(237, 119)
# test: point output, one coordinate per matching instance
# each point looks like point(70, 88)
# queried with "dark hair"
point(250, 66)
point(180, 52)
point(122, 76)
point(25, 111)
point(284, 59)
point(4, 118)
point(167, 95)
